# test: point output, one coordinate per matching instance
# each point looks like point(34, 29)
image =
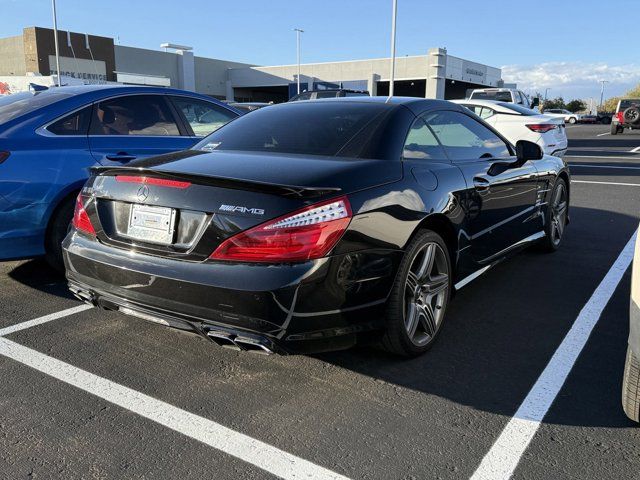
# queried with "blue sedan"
point(50, 139)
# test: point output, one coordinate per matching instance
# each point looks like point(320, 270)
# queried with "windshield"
point(13, 106)
point(517, 108)
point(310, 128)
point(493, 95)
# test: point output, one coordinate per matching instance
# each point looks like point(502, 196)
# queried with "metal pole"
point(393, 47)
point(602, 91)
point(298, 32)
point(55, 39)
point(545, 93)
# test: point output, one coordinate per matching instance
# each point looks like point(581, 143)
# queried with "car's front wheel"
point(631, 387)
point(572, 120)
point(420, 295)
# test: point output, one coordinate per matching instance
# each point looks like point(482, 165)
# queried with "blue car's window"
point(13, 106)
point(75, 124)
point(203, 117)
point(147, 115)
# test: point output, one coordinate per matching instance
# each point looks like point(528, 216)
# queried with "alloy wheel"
point(558, 213)
point(426, 289)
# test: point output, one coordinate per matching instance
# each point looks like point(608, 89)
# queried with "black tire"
point(572, 120)
point(631, 387)
point(56, 231)
point(614, 129)
point(556, 215)
point(427, 307)
point(631, 115)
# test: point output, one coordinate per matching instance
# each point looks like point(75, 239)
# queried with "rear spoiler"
point(216, 181)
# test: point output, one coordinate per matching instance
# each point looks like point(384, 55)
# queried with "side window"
point(74, 124)
point(487, 112)
point(204, 117)
point(464, 138)
point(147, 115)
point(477, 109)
point(421, 143)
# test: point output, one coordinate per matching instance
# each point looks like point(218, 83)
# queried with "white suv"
point(509, 95)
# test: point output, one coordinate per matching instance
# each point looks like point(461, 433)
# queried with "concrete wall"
point(12, 61)
point(147, 62)
point(211, 75)
point(407, 68)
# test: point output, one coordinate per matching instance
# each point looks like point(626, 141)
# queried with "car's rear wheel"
point(557, 211)
point(420, 295)
point(614, 129)
point(631, 387)
point(56, 231)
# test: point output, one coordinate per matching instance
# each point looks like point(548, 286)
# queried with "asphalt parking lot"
point(95, 394)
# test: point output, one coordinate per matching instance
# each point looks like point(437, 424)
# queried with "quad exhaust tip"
point(234, 342)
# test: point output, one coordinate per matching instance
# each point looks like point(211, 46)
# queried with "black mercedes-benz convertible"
point(306, 226)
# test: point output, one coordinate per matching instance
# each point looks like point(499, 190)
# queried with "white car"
point(568, 116)
point(518, 123)
point(508, 95)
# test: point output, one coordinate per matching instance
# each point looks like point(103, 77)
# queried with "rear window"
point(13, 106)
point(627, 103)
point(518, 109)
point(309, 128)
point(498, 96)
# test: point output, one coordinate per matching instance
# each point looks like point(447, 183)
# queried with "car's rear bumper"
point(305, 307)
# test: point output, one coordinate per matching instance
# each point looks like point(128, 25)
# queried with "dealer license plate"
point(151, 224)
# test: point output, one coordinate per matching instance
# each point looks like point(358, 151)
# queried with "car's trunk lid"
point(204, 198)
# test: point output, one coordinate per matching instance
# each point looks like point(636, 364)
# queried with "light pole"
point(545, 93)
point(298, 32)
point(602, 91)
point(392, 73)
point(55, 39)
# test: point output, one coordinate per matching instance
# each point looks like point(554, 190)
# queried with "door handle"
point(481, 184)
point(121, 157)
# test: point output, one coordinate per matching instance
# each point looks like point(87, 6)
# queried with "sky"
point(564, 45)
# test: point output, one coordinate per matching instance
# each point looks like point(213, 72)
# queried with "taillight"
point(620, 117)
point(81, 219)
point(161, 182)
point(4, 156)
point(542, 127)
point(301, 235)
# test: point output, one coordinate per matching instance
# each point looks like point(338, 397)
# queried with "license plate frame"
point(151, 224)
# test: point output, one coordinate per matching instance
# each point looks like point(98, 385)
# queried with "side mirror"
point(535, 101)
point(526, 150)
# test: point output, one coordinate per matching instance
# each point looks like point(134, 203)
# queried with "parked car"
point(304, 226)
point(631, 376)
point(246, 107)
point(627, 116)
point(50, 138)
point(519, 123)
point(508, 95)
point(604, 117)
point(333, 93)
point(566, 115)
point(588, 118)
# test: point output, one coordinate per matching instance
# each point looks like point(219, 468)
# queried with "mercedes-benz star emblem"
point(143, 193)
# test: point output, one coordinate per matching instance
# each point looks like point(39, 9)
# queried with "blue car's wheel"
point(57, 230)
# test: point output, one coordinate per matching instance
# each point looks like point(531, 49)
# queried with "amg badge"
point(236, 208)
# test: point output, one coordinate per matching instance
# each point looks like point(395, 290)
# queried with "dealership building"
point(30, 58)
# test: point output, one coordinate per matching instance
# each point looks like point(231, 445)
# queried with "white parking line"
point(504, 456)
point(603, 134)
point(637, 149)
point(617, 157)
point(243, 447)
point(607, 183)
point(41, 320)
point(588, 165)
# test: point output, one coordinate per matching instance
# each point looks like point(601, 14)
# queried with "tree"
point(576, 106)
point(557, 102)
